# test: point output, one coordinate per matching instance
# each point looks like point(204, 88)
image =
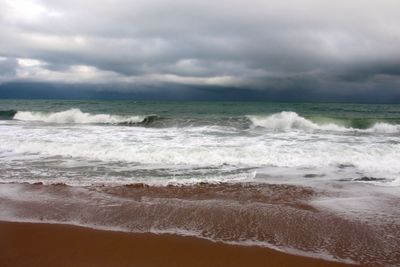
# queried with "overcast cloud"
point(351, 45)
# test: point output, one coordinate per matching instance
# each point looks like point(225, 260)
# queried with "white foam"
point(286, 120)
point(179, 150)
point(382, 127)
point(75, 116)
point(289, 120)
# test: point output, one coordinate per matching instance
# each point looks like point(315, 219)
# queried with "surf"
point(287, 120)
point(76, 116)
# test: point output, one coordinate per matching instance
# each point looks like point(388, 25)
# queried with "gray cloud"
point(261, 45)
point(8, 67)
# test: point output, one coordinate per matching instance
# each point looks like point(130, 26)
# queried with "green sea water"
point(360, 116)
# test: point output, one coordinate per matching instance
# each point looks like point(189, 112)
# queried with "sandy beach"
point(277, 216)
point(30, 244)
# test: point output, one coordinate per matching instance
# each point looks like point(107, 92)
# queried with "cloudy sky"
point(346, 48)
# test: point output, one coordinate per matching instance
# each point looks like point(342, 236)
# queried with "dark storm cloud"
point(292, 46)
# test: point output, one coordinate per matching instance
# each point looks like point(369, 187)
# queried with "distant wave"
point(286, 120)
point(76, 116)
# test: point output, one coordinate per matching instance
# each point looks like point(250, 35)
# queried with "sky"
point(317, 50)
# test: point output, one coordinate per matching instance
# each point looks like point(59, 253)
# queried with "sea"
point(316, 179)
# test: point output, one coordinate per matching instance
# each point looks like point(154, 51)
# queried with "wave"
point(7, 114)
point(286, 120)
point(76, 116)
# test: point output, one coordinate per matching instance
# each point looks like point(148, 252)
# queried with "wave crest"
point(382, 127)
point(76, 116)
point(286, 120)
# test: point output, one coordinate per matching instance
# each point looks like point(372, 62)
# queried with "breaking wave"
point(7, 114)
point(76, 116)
point(286, 120)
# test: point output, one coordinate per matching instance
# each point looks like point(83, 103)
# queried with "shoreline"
point(43, 244)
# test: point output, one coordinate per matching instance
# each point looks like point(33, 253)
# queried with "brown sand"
point(29, 244)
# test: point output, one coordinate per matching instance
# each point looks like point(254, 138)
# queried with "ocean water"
point(315, 179)
point(122, 142)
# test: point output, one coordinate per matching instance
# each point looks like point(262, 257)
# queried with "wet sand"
point(283, 216)
point(30, 244)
